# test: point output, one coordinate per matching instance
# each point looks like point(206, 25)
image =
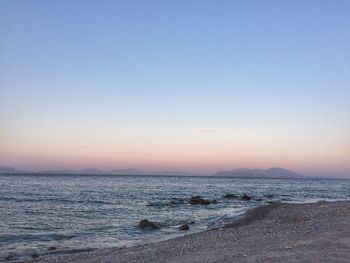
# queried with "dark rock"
point(246, 197)
point(184, 227)
point(35, 255)
point(144, 223)
point(214, 201)
point(268, 196)
point(230, 196)
point(197, 200)
point(52, 248)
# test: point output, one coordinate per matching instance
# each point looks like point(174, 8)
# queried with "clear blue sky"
point(146, 83)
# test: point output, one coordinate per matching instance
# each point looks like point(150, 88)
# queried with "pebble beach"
point(314, 232)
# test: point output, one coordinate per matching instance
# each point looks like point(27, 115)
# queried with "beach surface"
point(318, 232)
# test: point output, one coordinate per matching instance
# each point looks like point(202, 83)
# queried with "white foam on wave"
point(237, 212)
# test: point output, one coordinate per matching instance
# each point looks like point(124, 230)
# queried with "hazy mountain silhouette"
point(258, 173)
point(10, 170)
point(82, 171)
point(128, 171)
point(242, 172)
point(93, 171)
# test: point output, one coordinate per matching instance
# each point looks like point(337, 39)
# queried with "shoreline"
point(315, 232)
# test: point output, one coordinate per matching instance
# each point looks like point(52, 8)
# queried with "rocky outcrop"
point(197, 200)
point(146, 224)
point(246, 197)
point(230, 196)
point(184, 227)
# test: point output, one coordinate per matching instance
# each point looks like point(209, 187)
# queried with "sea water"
point(47, 214)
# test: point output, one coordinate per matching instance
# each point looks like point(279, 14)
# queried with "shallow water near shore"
point(45, 214)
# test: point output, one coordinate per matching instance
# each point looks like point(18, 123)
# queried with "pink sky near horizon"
point(201, 151)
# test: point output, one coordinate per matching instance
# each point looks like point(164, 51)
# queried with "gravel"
point(318, 232)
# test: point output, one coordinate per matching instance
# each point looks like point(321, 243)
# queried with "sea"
point(54, 214)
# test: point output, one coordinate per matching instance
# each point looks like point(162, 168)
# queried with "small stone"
point(246, 197)
point(35, 255)
point(184, 227)
point(144, 223)
point(230, 196)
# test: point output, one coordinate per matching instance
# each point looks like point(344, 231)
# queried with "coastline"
point(310, 232)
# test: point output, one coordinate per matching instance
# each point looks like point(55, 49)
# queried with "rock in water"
point(230, 196)
point(35, 255)
point(184, 227)
point(144, 223)
point(246, 197)
point(197, 200)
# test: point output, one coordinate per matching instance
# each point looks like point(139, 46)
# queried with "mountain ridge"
point(274, 172)
point(93, 171)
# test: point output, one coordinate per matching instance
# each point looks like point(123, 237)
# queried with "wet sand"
point(317, 232)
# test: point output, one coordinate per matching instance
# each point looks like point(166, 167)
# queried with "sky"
point(196, 86)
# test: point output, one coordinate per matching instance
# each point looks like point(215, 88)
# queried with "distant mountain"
point(83, 171)
point(249, 173)
point(129, 171)
point(9, 170)
point(258, 173)
point(175, 172)
point(93, 171)
point(132, 171)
